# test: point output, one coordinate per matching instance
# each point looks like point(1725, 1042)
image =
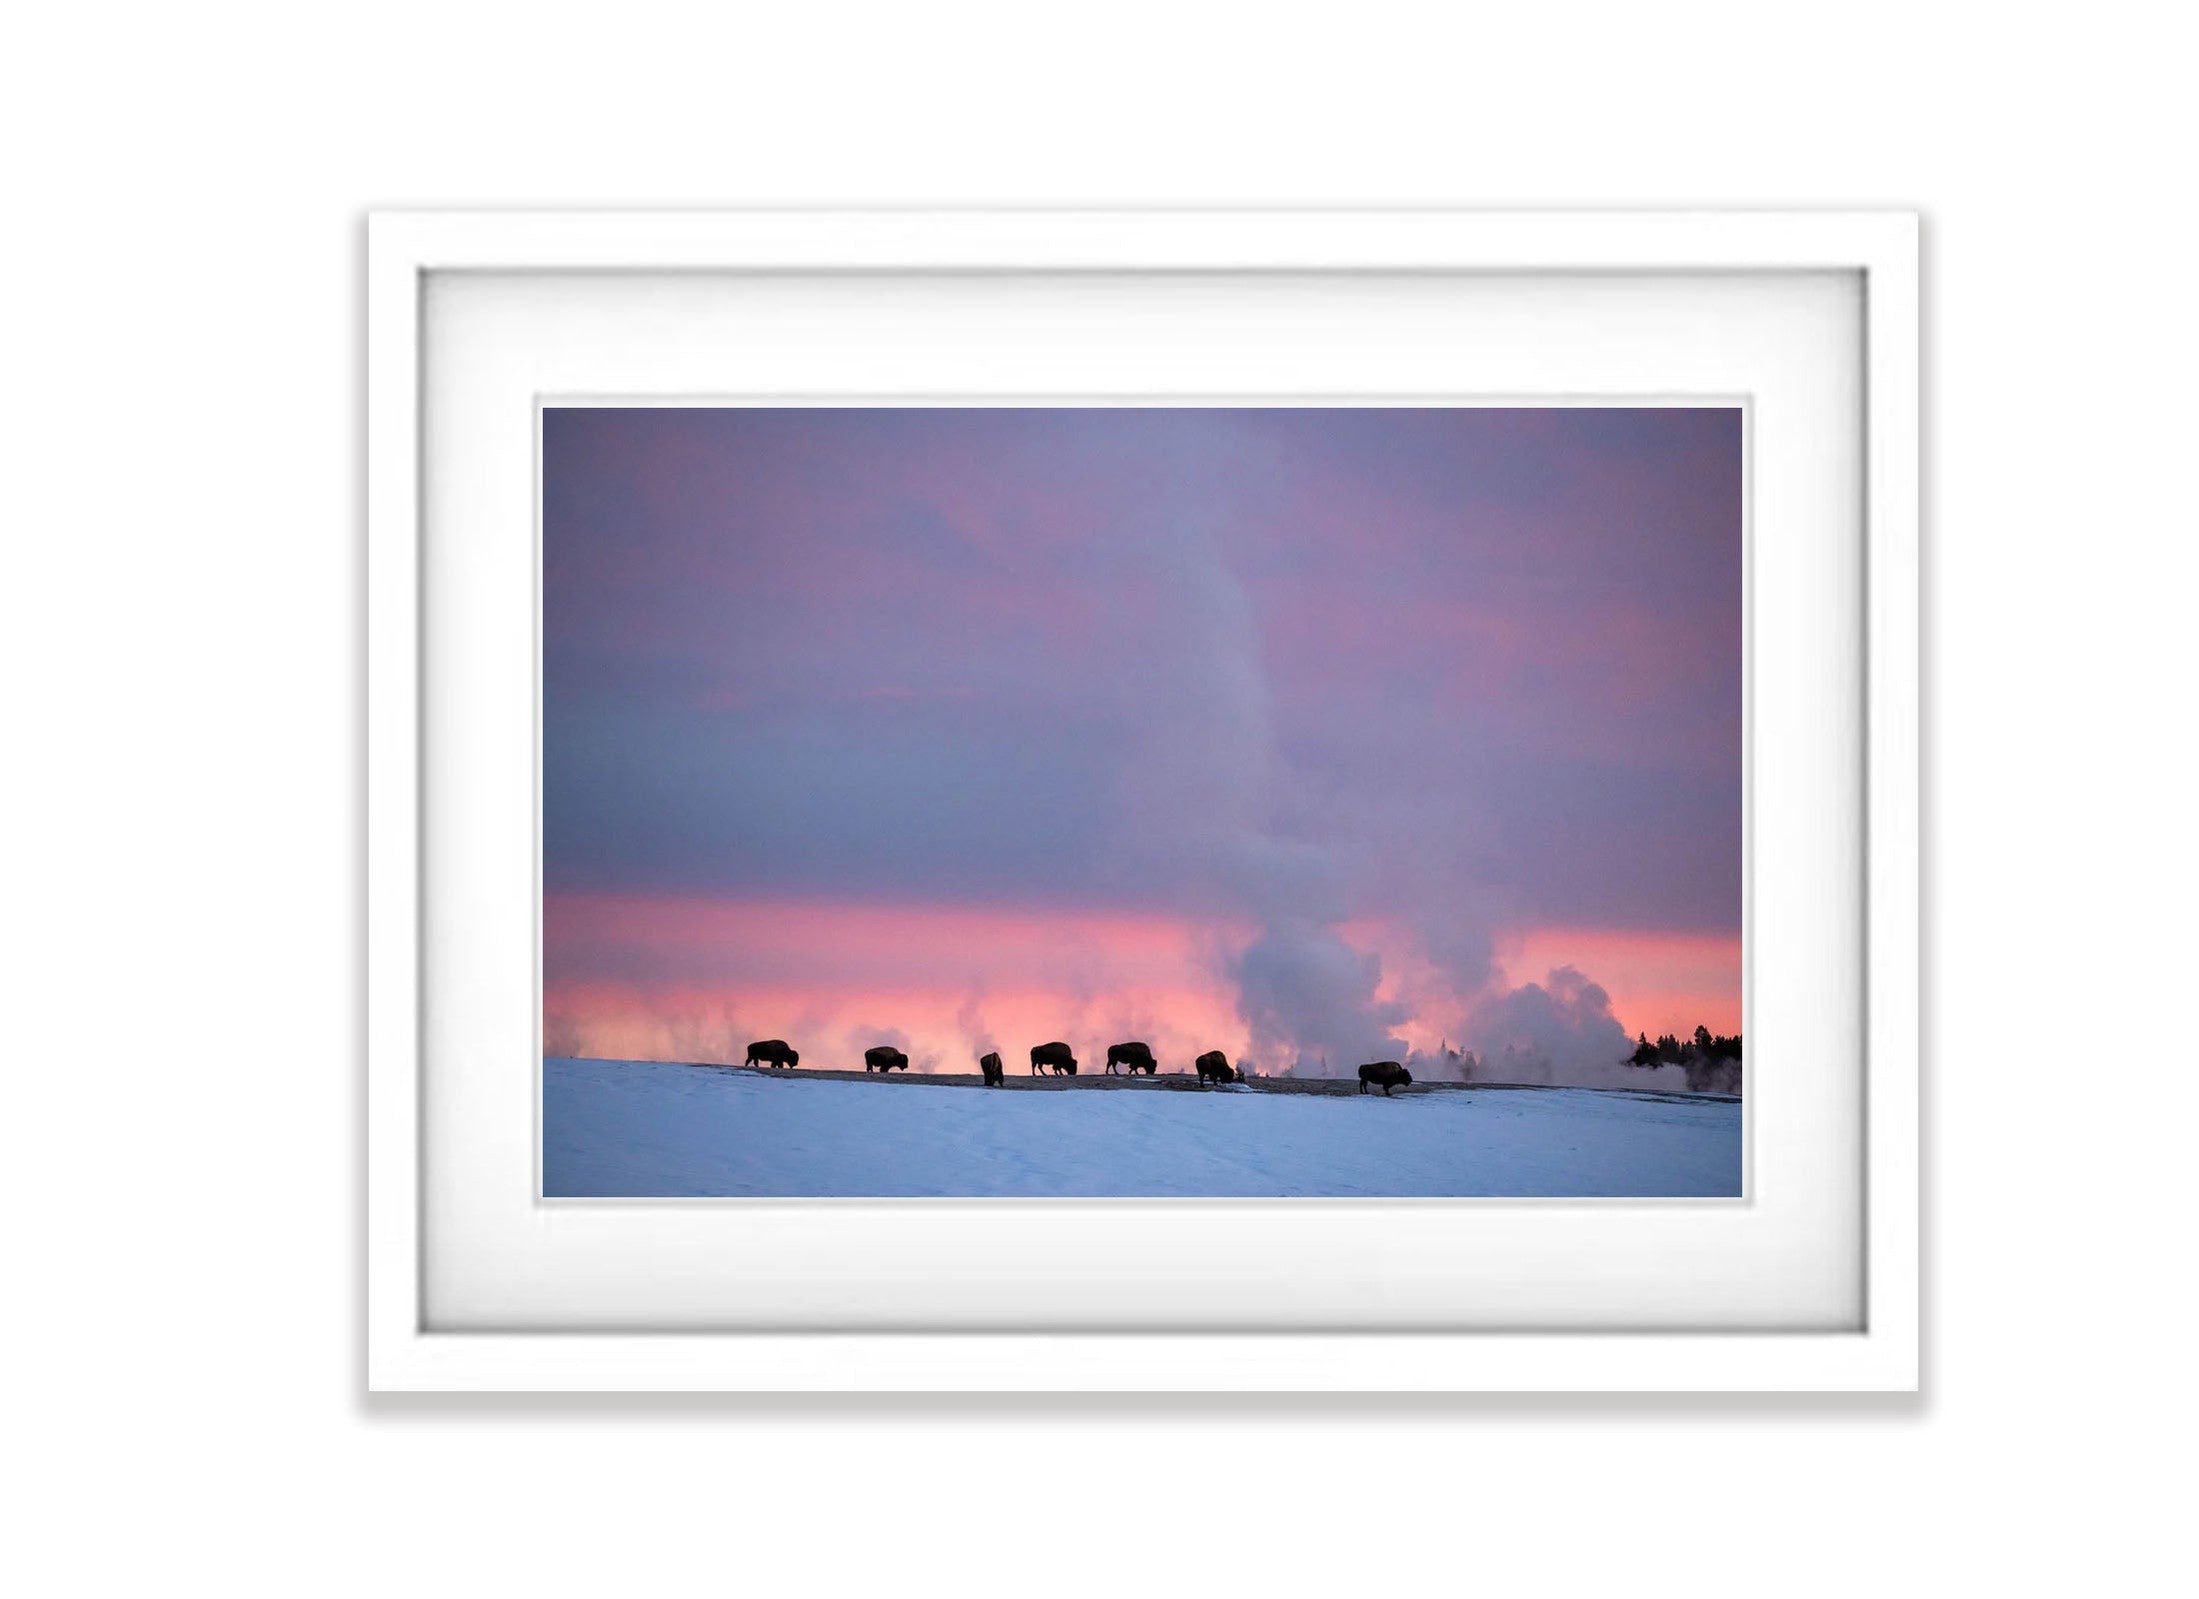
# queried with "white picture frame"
point(408, 1349)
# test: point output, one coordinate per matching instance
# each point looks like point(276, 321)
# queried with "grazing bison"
point(884, 1058)
point(1055, 1055)
point(1387, 1074)
point(1133, 1058)
point(1214, 1066)
point(996, 1075)
point(773, 1052)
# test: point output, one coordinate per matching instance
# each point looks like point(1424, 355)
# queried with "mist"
point(1278, 722)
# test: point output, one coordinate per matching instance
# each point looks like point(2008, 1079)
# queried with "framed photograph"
point(1257, 801)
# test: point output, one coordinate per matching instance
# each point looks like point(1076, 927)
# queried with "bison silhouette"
point(996, 1075)
point(1132, 1057)
point(1055, 1056)
point(1214, 1066)
point(1385, 1074)
point(772, 1052)
point(884, 1058)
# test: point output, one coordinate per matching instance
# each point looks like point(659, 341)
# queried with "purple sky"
point(1363, 701)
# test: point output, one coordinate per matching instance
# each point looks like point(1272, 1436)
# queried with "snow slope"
point(644, 1129)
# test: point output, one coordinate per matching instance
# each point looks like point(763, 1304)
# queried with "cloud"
point(1559, 1031)
point(1265, 672)
point(970, 1017)
point(1308, 998)
point(701, 1030)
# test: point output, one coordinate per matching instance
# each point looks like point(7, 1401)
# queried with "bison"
point(1055, 1055)
point(1214, 1066)
point(1387, 1074)
point(996, 1075)
point(884, 1058)
point(1133, 1058)
point(772, 1052)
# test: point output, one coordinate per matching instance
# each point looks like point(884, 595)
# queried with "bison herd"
point(1133, 1057)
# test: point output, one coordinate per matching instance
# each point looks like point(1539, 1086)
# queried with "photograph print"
point(1055, 802)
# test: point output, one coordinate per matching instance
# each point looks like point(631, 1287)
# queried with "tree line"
point(1704, 1048)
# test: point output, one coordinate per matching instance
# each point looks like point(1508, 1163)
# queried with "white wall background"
point(180, 654)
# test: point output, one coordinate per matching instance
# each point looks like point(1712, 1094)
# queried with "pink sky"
point(679, 977)
point(1303, 733)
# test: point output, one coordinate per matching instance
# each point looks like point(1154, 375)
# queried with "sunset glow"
point(1307, 735)
point(673, 978)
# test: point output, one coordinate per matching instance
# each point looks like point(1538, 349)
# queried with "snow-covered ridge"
point(648, 1129)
